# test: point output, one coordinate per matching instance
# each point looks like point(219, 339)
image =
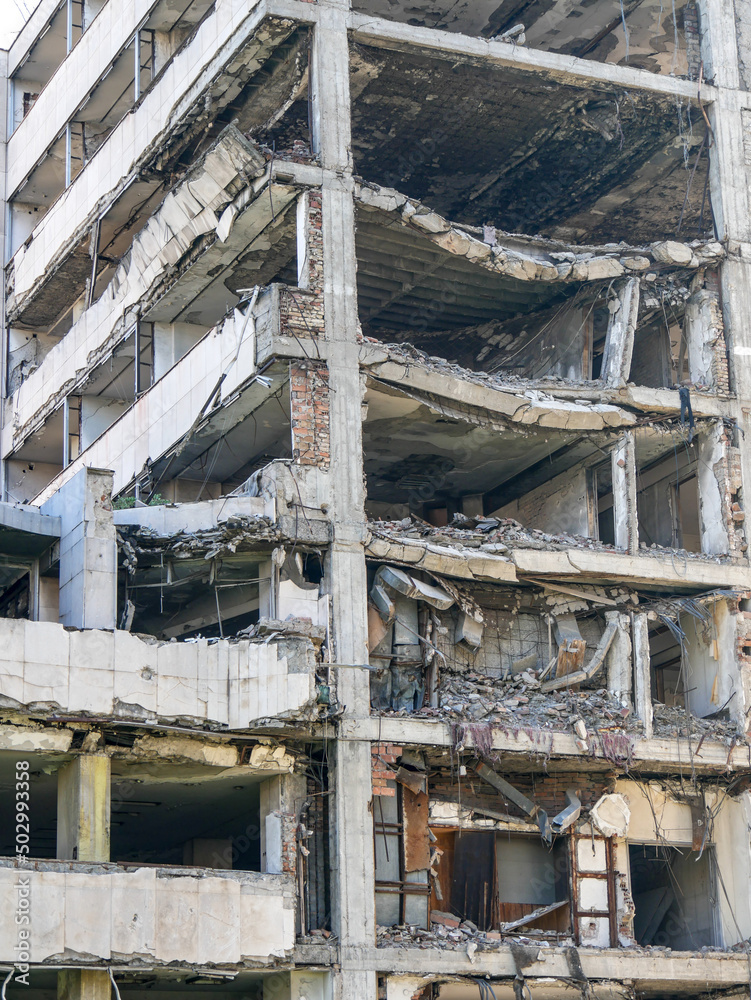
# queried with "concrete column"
point(625, 519)
point(5, 106)
point(619, 344)
point(83, 984)
point(619, 659)
point(642, 675)
point(88, 550)
point(730, 181)
point(703, 328)
point(353, 869)
point(83, 809)
point(712, 516)
point(83, 834)
point(280, 795)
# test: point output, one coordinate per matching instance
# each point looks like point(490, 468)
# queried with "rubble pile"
point(498, 535)
point(600, 722)
point(237, 533)
point(517, 696)
point(462, 935)
point(672, 721)
point(491, 534)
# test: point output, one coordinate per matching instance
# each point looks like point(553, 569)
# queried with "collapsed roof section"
point(482, 142)
point(493, 300)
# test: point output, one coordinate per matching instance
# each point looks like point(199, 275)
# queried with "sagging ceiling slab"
point(482, 144)
point(419, 449)
point(401, 277)
point(409, 446)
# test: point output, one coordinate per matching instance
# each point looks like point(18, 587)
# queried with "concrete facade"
point(374, 577)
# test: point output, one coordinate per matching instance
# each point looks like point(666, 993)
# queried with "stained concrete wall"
point(712, 671)
point(104, 911)
point(119, 674)
point(559, 506)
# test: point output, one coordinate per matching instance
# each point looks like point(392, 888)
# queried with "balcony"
point(101, 673)
point(87, 911)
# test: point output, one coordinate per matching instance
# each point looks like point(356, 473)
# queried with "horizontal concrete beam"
point(562, 68)
point(664, 569)
point(510, 404)
point(685, 968)
point(662, 755)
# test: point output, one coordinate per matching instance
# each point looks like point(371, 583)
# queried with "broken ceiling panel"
point(486, 144)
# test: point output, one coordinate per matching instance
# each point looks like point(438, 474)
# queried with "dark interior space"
point(674, 897)
point(42, 801)
point(647, 34)
point(176, 816)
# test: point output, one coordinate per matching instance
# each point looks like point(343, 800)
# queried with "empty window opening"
point(178, 598)
point(41, 835)
point(688, 669)
point(674, 897)
point(667, 668)
point(668, 500)
point(207, 822)
point(498, 878)
point(601, 492)
point(15, 592)
point(660, 357)
point(401, 894)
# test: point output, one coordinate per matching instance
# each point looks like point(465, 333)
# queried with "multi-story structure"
point(373, 571)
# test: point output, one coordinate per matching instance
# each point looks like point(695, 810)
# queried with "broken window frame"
point(577, 876)
point(395, 834)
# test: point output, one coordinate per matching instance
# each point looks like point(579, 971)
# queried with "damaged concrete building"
point(375, 597)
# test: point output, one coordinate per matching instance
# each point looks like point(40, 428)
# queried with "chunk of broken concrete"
point(671, 252)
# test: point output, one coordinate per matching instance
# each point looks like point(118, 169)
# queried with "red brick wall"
point(301, 309)
point(309, 404)
point(383, 766)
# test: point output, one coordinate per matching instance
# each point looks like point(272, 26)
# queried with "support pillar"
point(83, 809)
point(625, 518)
point(83, 834)
point(730, 181)
point(619, 659)
point(88, 550)
point(642, 673)
point(619, 344)
point(353, 867)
